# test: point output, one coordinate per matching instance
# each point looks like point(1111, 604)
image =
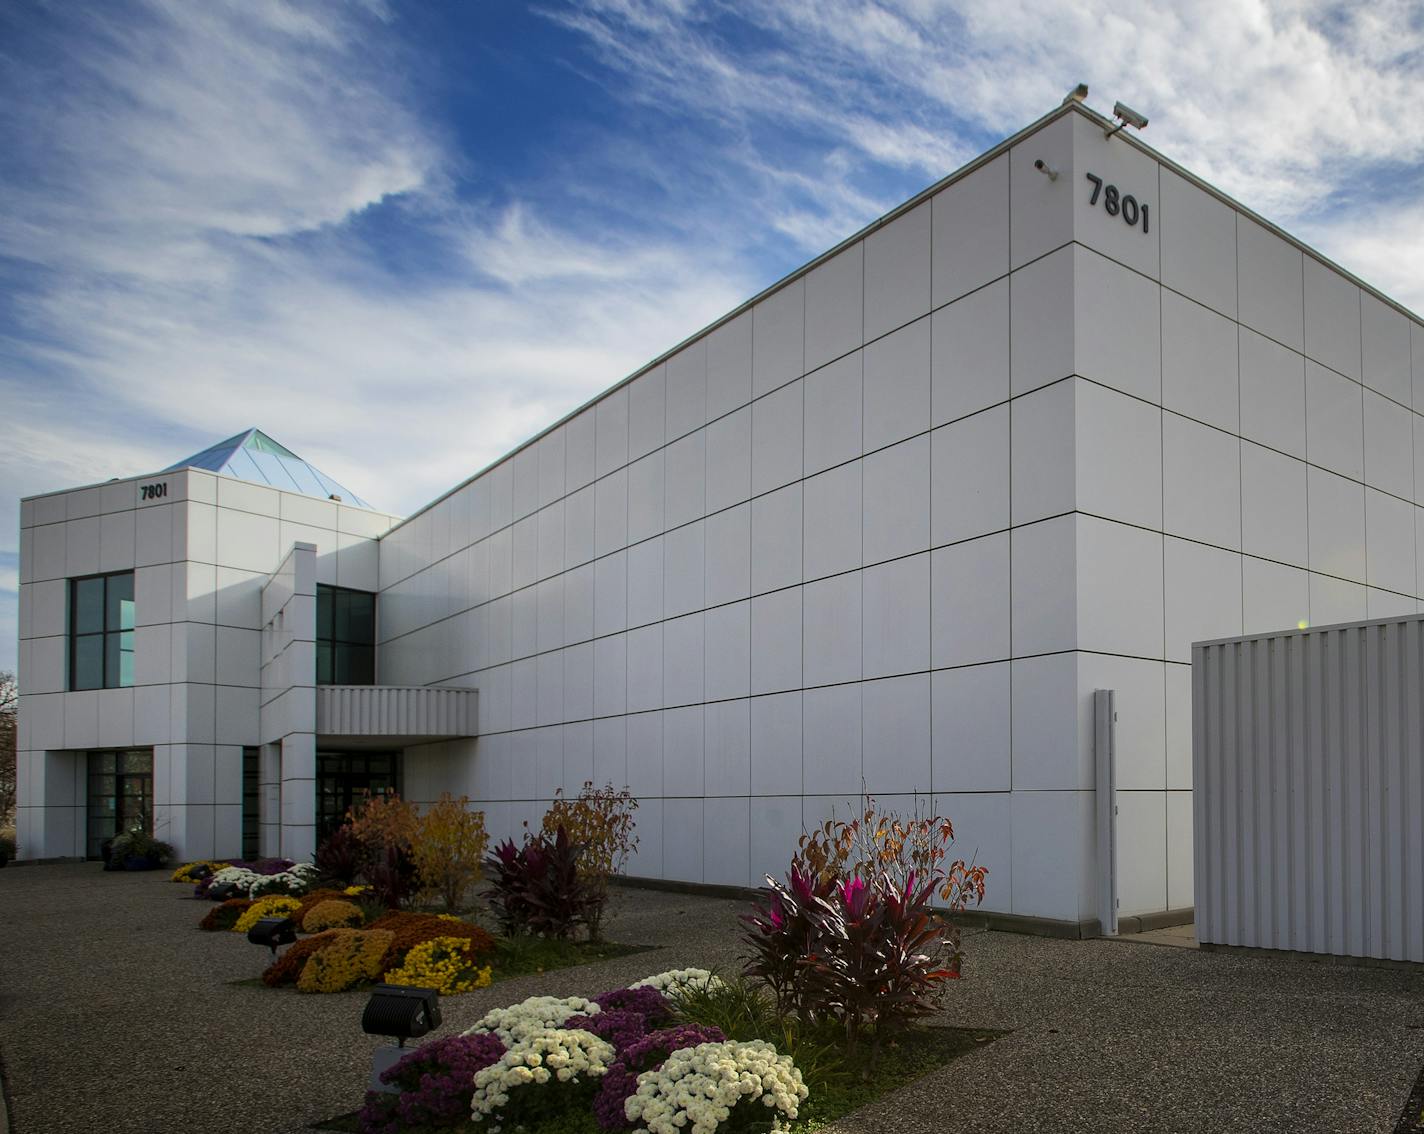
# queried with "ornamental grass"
point(334, 913)
point(411, 929)
point(273, 905)
point(355, 956)
point(224, 916)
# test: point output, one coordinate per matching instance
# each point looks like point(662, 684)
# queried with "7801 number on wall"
point(1116, 203)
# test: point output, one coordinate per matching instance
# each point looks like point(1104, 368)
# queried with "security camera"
point(1130, 116)
point(1044, 168)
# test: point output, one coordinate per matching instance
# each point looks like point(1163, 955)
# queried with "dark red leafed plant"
point(537, 888)
point(340, 855)
point(392, 876)
point(851, 937)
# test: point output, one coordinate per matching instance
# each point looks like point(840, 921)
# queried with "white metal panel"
point(1308, 769)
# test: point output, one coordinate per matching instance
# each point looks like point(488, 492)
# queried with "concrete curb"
point(1145, 923)
point(971, 919)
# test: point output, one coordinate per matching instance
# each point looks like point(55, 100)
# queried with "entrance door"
point(344, 778)
point(120, 795)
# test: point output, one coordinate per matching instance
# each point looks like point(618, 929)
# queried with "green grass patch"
point(530, 956)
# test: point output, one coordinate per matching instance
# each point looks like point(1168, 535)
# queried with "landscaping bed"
point(353, 904)
point(843, 965)
point(621, 1042)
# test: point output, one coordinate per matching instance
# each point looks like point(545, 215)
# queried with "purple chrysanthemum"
point(436, 1081)
point(649, 1003)
point(619, 1027)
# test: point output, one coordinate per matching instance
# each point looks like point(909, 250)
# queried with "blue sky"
point(424, 231)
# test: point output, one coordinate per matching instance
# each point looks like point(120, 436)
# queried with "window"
point(344, 779)
point(251, 802)
point(101, 631)
point(345, 636)
point(120, 795)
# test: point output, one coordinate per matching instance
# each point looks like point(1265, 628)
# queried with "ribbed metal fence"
point(1308, 789)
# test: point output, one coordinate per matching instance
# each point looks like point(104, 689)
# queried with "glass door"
point(120, 795)
point(344, 778)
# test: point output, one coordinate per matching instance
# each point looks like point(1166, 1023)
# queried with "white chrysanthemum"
point(564, 1055)
point(676, 982)
point(517, 1023)
point(697, 1088)
point(296, 880)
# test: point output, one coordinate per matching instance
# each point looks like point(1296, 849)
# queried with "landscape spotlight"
point(272, 932)
point(401, 1013)
point(1126, 116)
point(222, 891)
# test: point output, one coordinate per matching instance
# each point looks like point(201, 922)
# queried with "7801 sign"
point(1116, 203)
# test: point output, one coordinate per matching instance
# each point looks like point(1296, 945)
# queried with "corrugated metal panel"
point(396, 710)
point(1308, 781)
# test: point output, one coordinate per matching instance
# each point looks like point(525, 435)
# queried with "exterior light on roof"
point(1126, 116)
point(1077, 94)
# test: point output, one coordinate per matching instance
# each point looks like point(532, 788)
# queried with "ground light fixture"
point(222, 891)
point(400, 1013)
point(273, 932)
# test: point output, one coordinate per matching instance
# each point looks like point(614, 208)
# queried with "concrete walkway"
point(116, 1015)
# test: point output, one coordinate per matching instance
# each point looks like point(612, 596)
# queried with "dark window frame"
point(345, 636)
point(113, 641)
point(251, 802)
point(114, 779)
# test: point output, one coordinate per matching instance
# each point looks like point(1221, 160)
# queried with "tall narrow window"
point(251, 801)
point(101, 631)
point(345, 636)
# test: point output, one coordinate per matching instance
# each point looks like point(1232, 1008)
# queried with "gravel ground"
point(116, 1015)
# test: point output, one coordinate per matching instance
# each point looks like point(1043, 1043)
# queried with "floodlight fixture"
point(1077, 94)
point(1126, 116)
point(401, 1013)
point(1044, 168)
point(222, 891)
point(272, 932)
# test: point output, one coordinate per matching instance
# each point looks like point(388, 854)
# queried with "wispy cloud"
point(1301, 110)
point(267, 213)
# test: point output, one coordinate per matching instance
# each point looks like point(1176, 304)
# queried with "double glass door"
point(120, 795)
point(343, 779)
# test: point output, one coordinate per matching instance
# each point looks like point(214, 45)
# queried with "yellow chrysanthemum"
point(274, 905)
point(445, 964)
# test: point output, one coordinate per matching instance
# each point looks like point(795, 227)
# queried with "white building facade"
point(885, 528)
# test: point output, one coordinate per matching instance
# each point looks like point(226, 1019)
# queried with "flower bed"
point(635, 1060)
point(353, 898)
point(561, 1063)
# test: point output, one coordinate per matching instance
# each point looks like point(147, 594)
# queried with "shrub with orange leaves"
point(600, 822)
point(905, 847)
point(288, 966)
point(411, 929)
point(382, 822)
point(449, 849)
